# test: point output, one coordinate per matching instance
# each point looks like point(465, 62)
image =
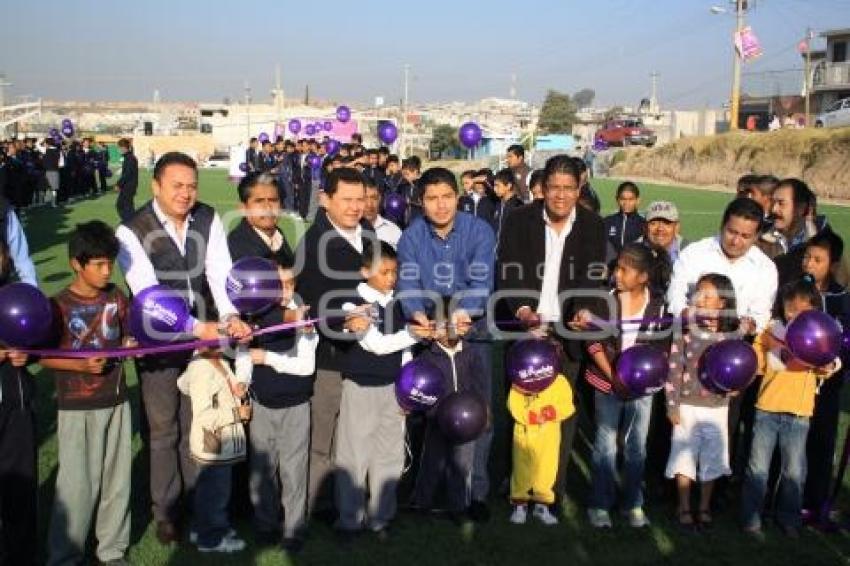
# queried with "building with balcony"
point(831, 70)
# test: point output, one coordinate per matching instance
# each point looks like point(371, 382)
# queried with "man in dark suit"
point(550, 248)
point(128, 182)
point(257, 234)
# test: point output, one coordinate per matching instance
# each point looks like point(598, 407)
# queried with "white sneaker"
point(599, 518)
point(226, 545)
point(519, 515)
point(193, 535)
point(636, 518)
point(541, 513)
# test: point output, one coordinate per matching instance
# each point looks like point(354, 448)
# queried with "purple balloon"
point(419, 386)
point(331, 147)
point(343, 114)
point(253, 285)
point(814, 337)
point(67, 122)
point(53, 133)
point(243, 167)
point(387, 132)
point(310, 130)
point(727, 366)
point(462, 417)
point(68, 131)
point(328, 126)
point(26, 317)
point(469, 134)
point(532, 365)
point(642, 370)
point(263, 137)
point(295, 126)
point(314, 161)
point(159, 315)
point(395, 207)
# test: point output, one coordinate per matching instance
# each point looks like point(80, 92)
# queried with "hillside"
point(821, 157)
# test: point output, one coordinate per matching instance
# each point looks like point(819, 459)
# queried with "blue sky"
point(353, 51)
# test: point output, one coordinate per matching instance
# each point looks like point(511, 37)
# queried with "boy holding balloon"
point(793, 357)
point(94, 423)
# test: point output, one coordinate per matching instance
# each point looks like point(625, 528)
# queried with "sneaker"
point(193, 535)
point(636, 518)
point(519, 515)
point(225, 545)
point(599, 518)
point(541, 513)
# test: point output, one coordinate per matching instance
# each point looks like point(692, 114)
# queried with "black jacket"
point(522, 255)
point(314, 282)
point(622, 228)
point(243, 241)
point(466, 364)
point(485, 208)
point(129, 180)
point(503, 209)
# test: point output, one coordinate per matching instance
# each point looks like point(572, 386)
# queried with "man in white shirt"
point(731, 253)
point(176, 241)
point(386, 230)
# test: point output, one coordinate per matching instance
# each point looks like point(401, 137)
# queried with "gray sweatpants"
point(369, 444)
point(324, 411)
point(280, 441)
point(94, 479)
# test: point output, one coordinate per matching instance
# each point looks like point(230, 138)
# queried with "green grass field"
point(432, 540)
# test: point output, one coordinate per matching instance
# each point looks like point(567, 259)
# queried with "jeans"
point(789, 432)
point(212, 497)
point(482, 344)
point(635, 415)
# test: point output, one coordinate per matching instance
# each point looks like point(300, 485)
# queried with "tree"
point(444, 140)
point(558, 113)
point(584, 97)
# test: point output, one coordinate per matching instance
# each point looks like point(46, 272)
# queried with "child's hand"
point(258, 356)
point(462, 322)
point(93, 365)
point(421, 326)
point(240, 390)
point(582, 320)
point(357, 321)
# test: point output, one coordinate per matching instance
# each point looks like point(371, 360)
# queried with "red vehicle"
point(626, 131)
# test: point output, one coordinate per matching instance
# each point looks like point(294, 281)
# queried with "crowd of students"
point(326, 437)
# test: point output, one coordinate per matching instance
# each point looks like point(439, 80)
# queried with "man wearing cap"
point(662, 228)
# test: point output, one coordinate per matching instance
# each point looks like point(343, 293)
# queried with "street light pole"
point(808, 77)
point(404, 111)
point(735, 102)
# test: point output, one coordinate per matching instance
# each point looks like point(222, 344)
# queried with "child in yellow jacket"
point(785, 403)
point(536, 445)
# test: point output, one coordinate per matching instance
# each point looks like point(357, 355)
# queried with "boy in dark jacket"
point(462, 371)
point(627, 225)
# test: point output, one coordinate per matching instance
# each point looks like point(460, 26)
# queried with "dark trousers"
point(125, 205)
point(820, 446)
point(442, 460)
point(169, 416)
point(570, 369)
point(18, 485)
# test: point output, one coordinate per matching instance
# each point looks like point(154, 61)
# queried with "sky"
point(351, 52)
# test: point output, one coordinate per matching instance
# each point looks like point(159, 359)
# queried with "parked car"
point(836, 114)
point(626, 131)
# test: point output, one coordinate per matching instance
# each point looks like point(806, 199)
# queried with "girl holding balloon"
point(699, 448)
point(637, 318)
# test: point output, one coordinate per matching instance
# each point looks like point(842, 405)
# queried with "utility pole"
point(735, 102)
point(653, 97)
point(808, 75)
point(404, 143)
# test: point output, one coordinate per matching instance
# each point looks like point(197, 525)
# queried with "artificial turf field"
point(434, 540)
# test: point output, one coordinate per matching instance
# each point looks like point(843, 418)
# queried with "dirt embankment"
point(821, 157)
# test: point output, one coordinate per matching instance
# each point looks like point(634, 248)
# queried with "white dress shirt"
point(140, 273)
point(353, 237)
point(274, 242)
point(549, 307)
point(387, 231)
point(753, 276)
